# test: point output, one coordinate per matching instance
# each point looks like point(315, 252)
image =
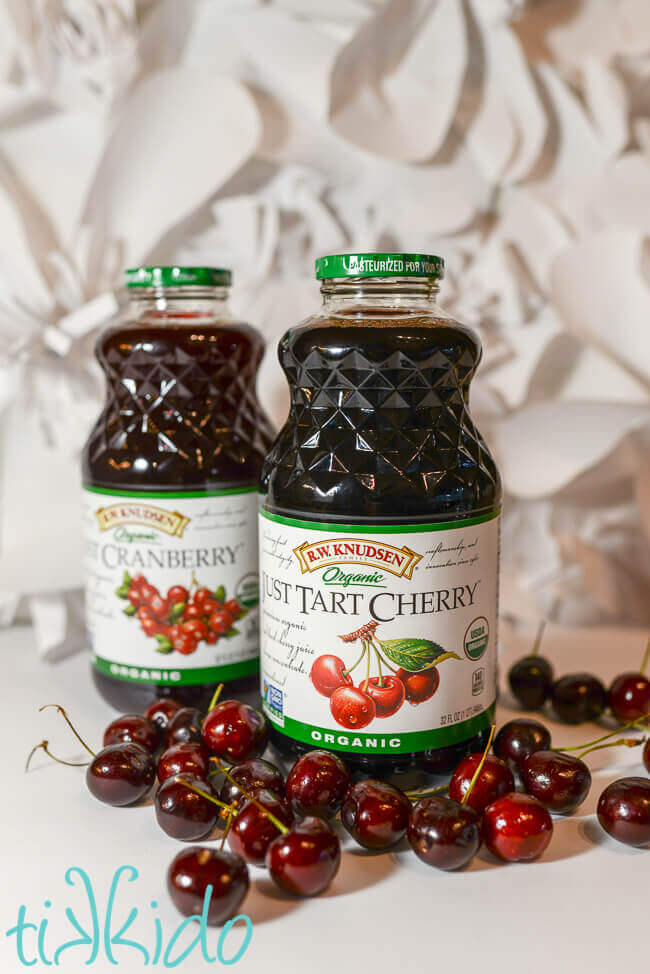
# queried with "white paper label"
point(380, 641)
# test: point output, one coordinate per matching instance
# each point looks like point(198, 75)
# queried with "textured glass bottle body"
point(379, 435)
point(181, 424)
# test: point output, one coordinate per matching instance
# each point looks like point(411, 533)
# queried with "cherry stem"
point(646, 659)
point(623, 742)
point(366, 646)
point(479, 768)
point(227, 828)
point(349, 670)
point(538, 638)
point(276, 821)
point(215, 697)
point(377, 646)
point(61, 711)
point(210, 798)
point(636, 724)
point(43, 746)
point(381, 678)
point(416, 795)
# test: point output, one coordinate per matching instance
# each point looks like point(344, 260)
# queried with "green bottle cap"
point(177, 277)
point(380, 265)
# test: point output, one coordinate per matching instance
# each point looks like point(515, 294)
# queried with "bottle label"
point(172, 591)
point(379, 641)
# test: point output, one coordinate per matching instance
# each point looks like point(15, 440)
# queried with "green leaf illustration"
point(220, 594)
point(177, 610)
point(123, 591)
point(164, 644)
point(130, 610)
point(415, 654)
point(231, 632)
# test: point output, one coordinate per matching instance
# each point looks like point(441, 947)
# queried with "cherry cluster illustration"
point(415, 679)
point(183, 618)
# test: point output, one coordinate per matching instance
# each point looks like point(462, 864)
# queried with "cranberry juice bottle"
point(170, 476)
point(379, 528)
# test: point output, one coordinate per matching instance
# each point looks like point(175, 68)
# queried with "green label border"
point(164, 494)
point(186, 677)
point(409, 742)
point(330, 526)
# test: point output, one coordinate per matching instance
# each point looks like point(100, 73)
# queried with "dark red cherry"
point(520, 738)
point(375, 813)
point(559, 781)
point(352, 708)
point(252, 775)
point(253, 831)
point(161, 711)
point(646, 755)
point(517, 828)
point(121, 774)
point(191, 759)
point(305, 860)
point(181, 812)
point(316, 784)
point(443, 833)
point(184, 727)
point(578, 697)
point(421, 686)
point(328, 673)
point(386, 692)
point(196, 868)
point(531, 679)
point(624, 811)
point(629, 697)
point(235, 732)
point(495, 779)
point(134, 729)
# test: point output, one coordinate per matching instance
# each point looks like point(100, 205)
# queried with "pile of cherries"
point(213, 782)
point(180, 620)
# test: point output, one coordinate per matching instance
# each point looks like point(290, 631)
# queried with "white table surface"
point(582, 906)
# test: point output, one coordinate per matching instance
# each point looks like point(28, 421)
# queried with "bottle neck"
point(398, 293)
point(179, 302)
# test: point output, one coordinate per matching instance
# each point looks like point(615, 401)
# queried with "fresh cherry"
point(251, 775)
point(624, 811)
point(495, 779)
point(531, 677)
point(421, 686)
point(134, 729)
point(253, 830)
point(629, 696)
point(182, 812)
point(161, 711)
point(188, 758)
point(517, 828)
point(520, 738)
point(184, 727)
point(194, 870)
point(375, 813)
point(443, 833)
point(328, 673)
point(316, 784)
point(578, 698)
point(352, 708)
point(121, 774)
point(646, 755)
point(386, 692)
point(235, 732)
point(559, 781)
point(305, 860)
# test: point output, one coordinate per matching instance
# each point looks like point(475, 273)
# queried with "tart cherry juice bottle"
point(170, 476)
point(379, 528)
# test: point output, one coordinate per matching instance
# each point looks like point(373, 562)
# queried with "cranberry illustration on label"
point(407, 669)
point(183, 619)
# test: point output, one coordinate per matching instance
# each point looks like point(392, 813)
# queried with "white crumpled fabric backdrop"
point(511, 137)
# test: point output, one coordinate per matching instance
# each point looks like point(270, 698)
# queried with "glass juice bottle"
point(170, 475)
point(379, 528)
